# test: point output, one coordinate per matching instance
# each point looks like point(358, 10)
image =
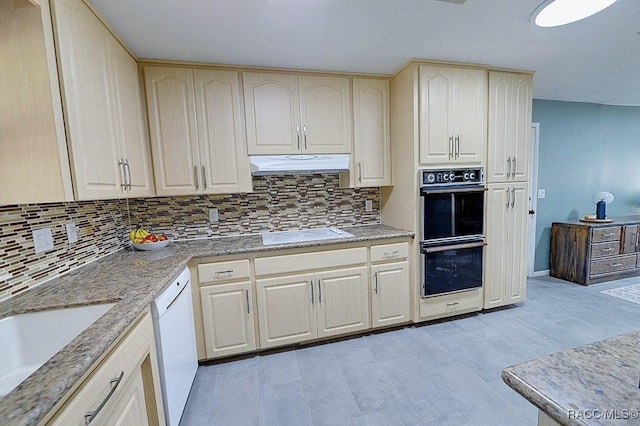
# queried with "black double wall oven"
point(452, 234)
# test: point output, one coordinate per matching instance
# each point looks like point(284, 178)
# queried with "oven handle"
point(449, 190)
point(453, 247)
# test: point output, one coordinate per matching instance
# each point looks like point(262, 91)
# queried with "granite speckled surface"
point(596, 384)
point(132, 280)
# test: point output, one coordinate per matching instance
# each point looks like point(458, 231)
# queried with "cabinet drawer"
point(451, 304)
point(124, 363)
point(308, 261)
point(610, 233)
point(223, 271)
point(385, 252)
point(609, 248)
point(612, 264)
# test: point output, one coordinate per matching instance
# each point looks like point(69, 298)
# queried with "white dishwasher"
point(174, 332)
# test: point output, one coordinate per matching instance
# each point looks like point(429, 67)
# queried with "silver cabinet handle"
point(128, 173)
point(508, 198)
point(123, 176)
point(91, 415)
point(608, 234)
point(319, 292)
point(508, 167)
point(195, 173)
point(228, 273)
point(375, 282)
point(298, 136)
point(513, 172)
point(391, 253)
point(204, 177)
point(513, 197)
point(453, 303)
point(450, 147)
point(246, 294)
point(615, 264)
point(457, 146)
point(311, 283)
point(359, 173)
point(607, 249)
point(304, 129)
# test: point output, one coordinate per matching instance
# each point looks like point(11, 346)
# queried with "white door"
point(533, 199)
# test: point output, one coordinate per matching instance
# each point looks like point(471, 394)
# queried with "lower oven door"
point(448, 268)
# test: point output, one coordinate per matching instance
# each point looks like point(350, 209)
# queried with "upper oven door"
point(452, 213)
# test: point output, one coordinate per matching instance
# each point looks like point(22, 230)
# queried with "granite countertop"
point(131, 280)
point(595, 384)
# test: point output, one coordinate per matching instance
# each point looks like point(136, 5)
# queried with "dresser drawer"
point(610, 233)
point(451, 304)
point(609, 248)
point(223, 271)
point(612, 264)
point(386, 252)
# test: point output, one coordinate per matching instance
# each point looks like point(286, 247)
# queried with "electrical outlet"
point(368, 205)
point(42, 240)
point(213, 215)
point(72, 232)
point(542, 193)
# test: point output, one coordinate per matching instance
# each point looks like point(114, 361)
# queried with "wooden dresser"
point(588, 253)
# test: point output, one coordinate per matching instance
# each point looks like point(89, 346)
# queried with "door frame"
point(533, 200)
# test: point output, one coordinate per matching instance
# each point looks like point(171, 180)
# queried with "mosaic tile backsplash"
point(278, 203)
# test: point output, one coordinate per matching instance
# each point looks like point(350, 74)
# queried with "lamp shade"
point(607, 197)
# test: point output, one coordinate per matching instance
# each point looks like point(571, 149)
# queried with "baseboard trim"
point(542, 273)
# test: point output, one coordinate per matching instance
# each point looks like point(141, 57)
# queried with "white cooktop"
point(284, 237)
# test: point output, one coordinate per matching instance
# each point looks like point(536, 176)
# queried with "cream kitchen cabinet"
point(371, 133)
point(197, 131)
point(106, 127)
point(124, 389)
point(510, 98)
point(453, 115)
point(505, 256)
point(296, 306)
point(291, 114)
point(228, 312)
point(34, 165)
point(390, 286)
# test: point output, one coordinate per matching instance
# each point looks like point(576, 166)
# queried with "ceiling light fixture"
point(553, 13)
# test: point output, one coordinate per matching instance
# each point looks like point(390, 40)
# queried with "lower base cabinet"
point(390, 294)
point(228, 319)
point(124, 389)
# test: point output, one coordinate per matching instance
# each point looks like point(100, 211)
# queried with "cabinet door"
point(469, 116)
point(224, 164)
point(371, 134)
point(285, 310)
point(495, 263)
point(83, 50)
point(509, 127)
point(130, 407)
point(272, 113)
point(172, 128)
point(132, 126)
point(342, 301)
point(390, 294)
point(228, 318)
point(436, 92)
point(630, 238)
point(325, 114)
point(516, 282)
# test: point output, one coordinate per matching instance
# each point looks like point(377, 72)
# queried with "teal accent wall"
point(584, 148)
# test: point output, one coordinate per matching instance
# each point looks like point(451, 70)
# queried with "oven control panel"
point(443, 177)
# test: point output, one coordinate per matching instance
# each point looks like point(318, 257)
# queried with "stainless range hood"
point(285, 164)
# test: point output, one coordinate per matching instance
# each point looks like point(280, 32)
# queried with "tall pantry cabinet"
point(507, 175)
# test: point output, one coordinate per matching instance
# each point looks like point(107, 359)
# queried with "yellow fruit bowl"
point(151, 246)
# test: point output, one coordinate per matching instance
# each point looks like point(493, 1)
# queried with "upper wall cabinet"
point(510, 98)
point(291, 114)
point(453, 115)
point(103, 107)
point(34, 166)
point(371, 134)
point(197, 131)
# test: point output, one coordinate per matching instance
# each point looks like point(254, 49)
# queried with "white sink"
point(29, 340)
point(303, 235)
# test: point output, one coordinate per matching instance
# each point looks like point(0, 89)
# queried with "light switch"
point(42, 240)
point(541, 193)
point(72, 232)
point(213, 215)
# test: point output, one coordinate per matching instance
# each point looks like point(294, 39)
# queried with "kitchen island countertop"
point(131, 279)
point(595, 384)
